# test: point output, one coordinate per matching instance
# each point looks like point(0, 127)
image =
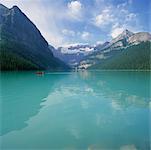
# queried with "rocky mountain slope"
point(126, 45)
point(139, 37)
point(22, 45)
point(135, 57)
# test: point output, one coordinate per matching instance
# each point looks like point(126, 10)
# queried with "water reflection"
point(84, 110)
point(21, 95)
point(126, 88)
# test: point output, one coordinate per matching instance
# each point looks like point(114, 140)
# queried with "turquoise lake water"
point(71, 111)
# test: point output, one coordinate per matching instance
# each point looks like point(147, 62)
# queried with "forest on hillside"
point(137, 57)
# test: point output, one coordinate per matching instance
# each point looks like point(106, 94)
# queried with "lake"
point(103, 110)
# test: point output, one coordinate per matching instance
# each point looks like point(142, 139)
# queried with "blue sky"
point(64, 22)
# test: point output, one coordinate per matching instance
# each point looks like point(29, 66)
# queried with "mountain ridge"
point(121, 43)
point(22, 39)
point(77, 58)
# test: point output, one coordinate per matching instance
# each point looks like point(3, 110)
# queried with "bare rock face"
point(126, 41)
point(139, 37)
point(121, 40)
point(123, 36)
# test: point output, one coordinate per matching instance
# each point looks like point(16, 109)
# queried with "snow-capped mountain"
point(123, 36)
point(121, 40)
point(74, 49)
point(73, 54)
point(85, 55)
point(125, 39)
point(117, 45)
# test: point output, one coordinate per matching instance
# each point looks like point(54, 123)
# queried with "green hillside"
point(10, 61)
point(17, 56)
point(135, 57)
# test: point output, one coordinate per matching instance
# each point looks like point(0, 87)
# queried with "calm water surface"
point(70, 111)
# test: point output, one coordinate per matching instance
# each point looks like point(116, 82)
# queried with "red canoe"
point(40, 72)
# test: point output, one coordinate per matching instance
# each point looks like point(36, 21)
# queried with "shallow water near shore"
point(75, 110)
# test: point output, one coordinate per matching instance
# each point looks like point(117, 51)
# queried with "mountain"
point(73, 54)
point(101, 46)
point(139, 37)
point(121, 52)
point(22, 45)
point(135, 57)
point(120, 41)
point(122, 38)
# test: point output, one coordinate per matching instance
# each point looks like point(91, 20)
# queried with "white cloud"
point(85, 35)
point(73, 44)
point(99, 42)
point(128, 21)
point(45, 18)
point(131, 16)
point(75, 38)
point(104, 18)
point(122, 5)
point(75, 10)
point(53, 20)
point(113, 19)
point(68, 32)
point(116, 31)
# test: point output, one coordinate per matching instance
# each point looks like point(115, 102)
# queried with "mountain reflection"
point(78, 110)
point(21, 95)
point(125, 88)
